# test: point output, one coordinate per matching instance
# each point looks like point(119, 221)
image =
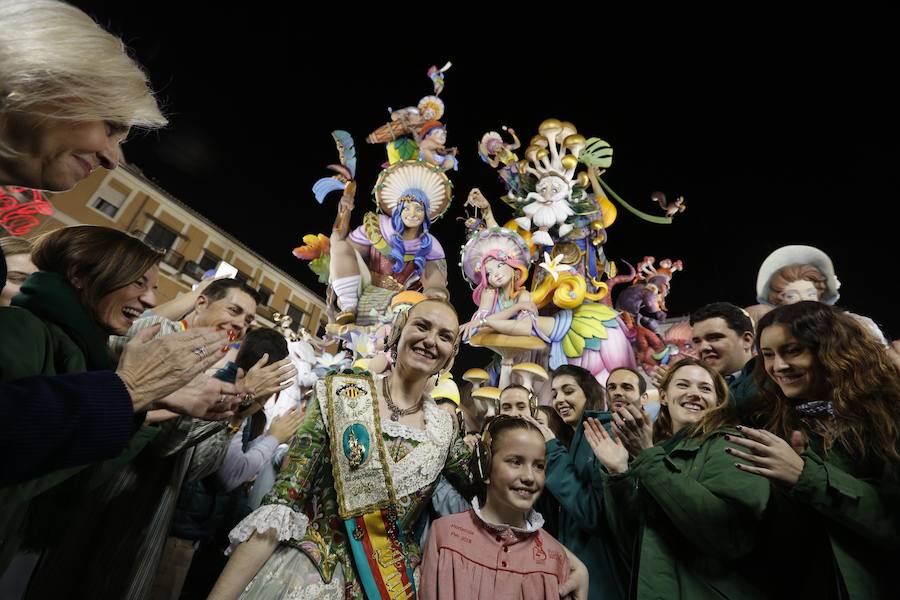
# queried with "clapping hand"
point(633, 426)
point(151, 369)
point(204, 397)
point(610, 452)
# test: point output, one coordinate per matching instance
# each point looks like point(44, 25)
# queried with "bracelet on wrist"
point(247, 399)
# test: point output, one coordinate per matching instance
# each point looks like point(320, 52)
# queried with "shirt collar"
point(533, 520)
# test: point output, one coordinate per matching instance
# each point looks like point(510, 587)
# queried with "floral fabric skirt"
point(290, 575)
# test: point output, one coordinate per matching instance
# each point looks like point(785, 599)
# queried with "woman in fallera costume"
point(360, 470)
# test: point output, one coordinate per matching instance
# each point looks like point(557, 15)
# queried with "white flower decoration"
point(553, 267)
point(362, 344)
point(326, 362)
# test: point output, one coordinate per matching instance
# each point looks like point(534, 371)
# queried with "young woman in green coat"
point(830, 391)
point(680, 510)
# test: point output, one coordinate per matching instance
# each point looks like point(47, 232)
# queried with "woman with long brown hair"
point(827, 381)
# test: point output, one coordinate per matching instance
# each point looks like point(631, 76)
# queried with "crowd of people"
point(141, 457)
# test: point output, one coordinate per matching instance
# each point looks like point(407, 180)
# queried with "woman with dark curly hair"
point(825, 379)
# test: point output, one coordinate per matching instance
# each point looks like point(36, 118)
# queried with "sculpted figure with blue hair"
point(393, 250)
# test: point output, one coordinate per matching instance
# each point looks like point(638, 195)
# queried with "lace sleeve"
point(287, 523)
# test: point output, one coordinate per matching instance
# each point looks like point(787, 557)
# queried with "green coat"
point(743, 389)
point(689, 519)
point(844, 514)
point(47, 332)
point(573, 477)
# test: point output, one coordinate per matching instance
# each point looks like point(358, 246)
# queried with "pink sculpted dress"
point(466, 557)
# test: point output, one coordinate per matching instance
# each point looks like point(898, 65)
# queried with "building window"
point(209, 261)
point(109, 200)
point(160, 236)
point(265, 294)
point(298, 317)
point(320, 332)
point(242, 277)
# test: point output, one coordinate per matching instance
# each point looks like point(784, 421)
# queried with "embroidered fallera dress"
point(468, 557)
point(344, 512)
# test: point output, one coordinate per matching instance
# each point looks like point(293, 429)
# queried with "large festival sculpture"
point(541, 283)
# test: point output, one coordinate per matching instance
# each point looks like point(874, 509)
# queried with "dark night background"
point(796, 144)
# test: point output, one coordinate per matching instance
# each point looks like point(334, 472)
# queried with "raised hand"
point(769, 456)
point(610, 452)
point(658, 374)
point(284, 426)
point(548, 433)
point(477, 200)
point(151, 369)
point(263, 380)
point(204, 397)
point(633, 426)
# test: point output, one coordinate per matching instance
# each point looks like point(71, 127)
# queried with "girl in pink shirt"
point(498, 550)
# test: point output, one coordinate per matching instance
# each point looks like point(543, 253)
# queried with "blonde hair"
point(56, 62)
point(15, 245)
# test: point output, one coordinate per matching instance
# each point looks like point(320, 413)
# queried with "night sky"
point(793, 144)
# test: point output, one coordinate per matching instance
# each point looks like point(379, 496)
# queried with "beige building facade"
point(126, 200)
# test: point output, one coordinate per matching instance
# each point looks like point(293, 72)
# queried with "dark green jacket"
point(689, 519)
point(743, 389)
point(846, 514)
point(47, 332)
point(574, 479)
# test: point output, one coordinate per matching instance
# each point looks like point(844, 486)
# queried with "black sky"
point(774, 137)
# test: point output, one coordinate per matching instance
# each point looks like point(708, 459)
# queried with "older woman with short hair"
point(69, 94)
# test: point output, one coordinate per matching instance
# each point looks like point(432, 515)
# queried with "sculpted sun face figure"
point(552, 189)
